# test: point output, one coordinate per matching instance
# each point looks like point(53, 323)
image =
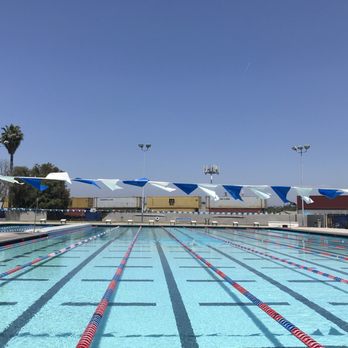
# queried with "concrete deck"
point(42, 230)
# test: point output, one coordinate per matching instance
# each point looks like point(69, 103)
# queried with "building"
point(325, 212)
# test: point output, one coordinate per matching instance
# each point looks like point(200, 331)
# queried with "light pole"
point(144, 148)
point(301, 149)
point(211, 170)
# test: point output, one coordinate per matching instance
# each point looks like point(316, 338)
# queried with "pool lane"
point(318, 302)
point(340, 255)
point(11, 256)
point(168, 298)
point(35, 289)
point(266, 308)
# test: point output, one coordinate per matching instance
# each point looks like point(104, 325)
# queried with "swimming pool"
point(167, 297)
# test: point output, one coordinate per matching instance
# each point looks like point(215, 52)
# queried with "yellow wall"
point(81, 202)
point(184, 203)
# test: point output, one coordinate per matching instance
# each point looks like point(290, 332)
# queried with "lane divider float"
point(306, 250)
point(92, 327)
point(294, 330)
point(254, 251)
point(36, 240)
point(50, 255)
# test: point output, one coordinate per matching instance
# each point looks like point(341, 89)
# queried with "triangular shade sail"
point(304, 193)
point(10, 179)
point(330, 193)
point(35, 183)
point(234, 191)
point(187, 188)
point(137, 182)
point(209, 192)
point(87, 181)
point(60, 176)
point(111, 184)
point(259, 191)
point(162, 185)
point(282, 192)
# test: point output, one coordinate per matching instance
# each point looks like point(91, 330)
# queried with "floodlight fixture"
point(301, 149)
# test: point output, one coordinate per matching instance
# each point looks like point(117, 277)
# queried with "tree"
point(24, 196)
point(4, 170)
point(11, 137)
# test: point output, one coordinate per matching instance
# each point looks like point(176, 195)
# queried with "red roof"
point(321, 202)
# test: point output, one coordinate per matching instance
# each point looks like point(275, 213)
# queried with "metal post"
point(144, 148)
point(301, 149)
point(36, 209)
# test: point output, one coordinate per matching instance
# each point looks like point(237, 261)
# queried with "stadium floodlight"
point(301, 149)
point(144, 148)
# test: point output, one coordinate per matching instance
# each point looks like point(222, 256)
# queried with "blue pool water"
point(167, 298)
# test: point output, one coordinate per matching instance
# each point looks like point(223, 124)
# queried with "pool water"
point(168, 298)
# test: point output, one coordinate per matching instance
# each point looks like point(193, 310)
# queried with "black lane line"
point(228, 290)
point(27, 270)
point(311, 281)
point(215, 304)
point(125, 266)
point(8, 303)
point(80, 251)
point(190, 258)
point(254, 258)
point(314, 306)
point(298, 271)
point(206, 266)
point(17, 325)
point(58, 266)
point(64, 239)
point(310, 247)
point(339, 303)
point(219, 281)
point(120, 304)
point(183, 323)
point(25, 280)
point(120, 280)
point(281, 253)
point(273, 267)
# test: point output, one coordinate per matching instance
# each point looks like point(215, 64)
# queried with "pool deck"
point(42, 230)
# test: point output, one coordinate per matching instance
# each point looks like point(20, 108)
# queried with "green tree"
point(11, 137)
point(55, 197)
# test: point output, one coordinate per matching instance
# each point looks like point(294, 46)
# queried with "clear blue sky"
point(235, 83)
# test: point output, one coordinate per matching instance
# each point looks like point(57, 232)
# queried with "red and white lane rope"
point(36, 240)
point(294, 330)
point(92, 327)
point(306, 250)
point(50, 255)
point(254, 251)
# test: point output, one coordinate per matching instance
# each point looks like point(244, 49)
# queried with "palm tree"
point(11, 137)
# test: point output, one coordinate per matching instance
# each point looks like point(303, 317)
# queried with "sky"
point(232, 83)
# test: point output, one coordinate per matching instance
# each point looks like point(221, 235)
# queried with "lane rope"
point(50, 255)
point(36, 240)
point(254, 251)
point(306, 250)
point(88, 335)
point(294, 330)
